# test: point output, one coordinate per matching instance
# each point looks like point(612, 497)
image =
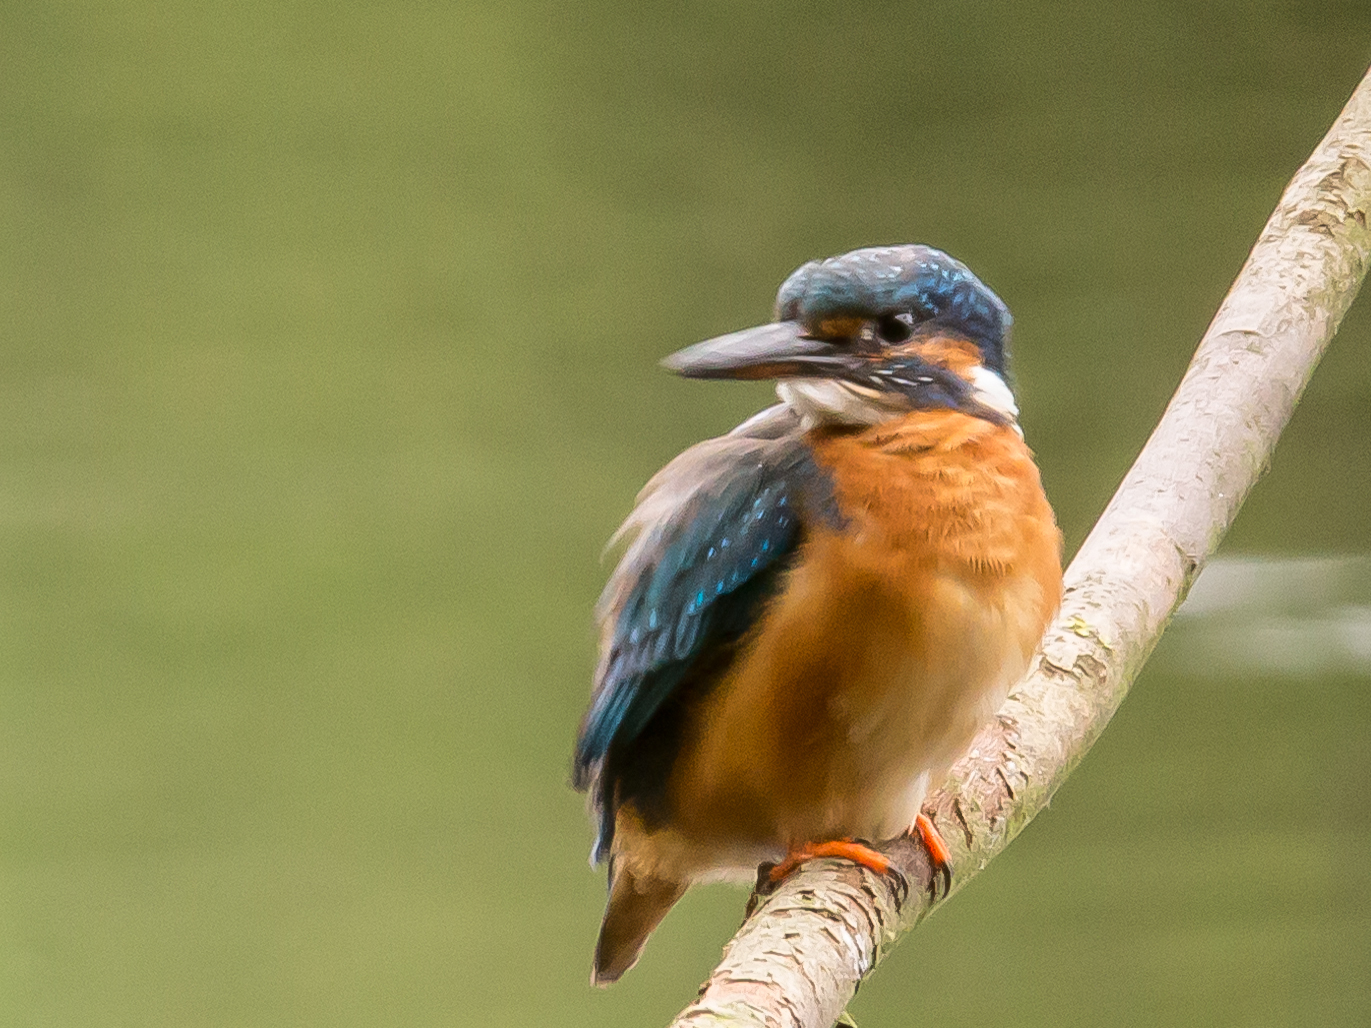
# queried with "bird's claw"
point(942, 875)
point(939, 857)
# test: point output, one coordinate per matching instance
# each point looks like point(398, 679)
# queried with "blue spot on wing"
point(682, 604)
point(677, 627)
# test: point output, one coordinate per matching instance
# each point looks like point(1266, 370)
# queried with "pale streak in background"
point(1292, 616)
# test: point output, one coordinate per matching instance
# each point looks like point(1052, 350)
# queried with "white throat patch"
point(828, 401)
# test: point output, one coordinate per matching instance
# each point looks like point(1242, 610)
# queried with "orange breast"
point(895, 638)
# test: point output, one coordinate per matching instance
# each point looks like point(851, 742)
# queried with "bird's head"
point(872, 335)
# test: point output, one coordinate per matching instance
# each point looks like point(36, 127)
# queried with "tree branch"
point(798, 958)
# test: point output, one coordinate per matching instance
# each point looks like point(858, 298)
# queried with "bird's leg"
point(846, 849)
point(938, 853)
point(771, 875)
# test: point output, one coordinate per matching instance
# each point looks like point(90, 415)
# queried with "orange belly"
point(894, 639)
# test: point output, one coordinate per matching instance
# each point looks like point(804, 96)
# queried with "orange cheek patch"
point(839, 328)
point(954, 354)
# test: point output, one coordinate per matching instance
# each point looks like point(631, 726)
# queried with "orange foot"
point(844, 848)
point(938, 853)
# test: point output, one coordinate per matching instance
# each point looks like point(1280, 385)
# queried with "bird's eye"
point(894, 328)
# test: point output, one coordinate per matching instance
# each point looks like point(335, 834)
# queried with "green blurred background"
point(329, 364)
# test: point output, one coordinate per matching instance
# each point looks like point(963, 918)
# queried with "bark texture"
point(799, 956)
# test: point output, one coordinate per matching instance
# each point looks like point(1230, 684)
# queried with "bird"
point(814, 614)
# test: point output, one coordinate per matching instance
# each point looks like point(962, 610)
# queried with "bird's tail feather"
point(636, 906)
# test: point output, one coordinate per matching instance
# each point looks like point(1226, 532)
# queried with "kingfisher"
point(815, 613)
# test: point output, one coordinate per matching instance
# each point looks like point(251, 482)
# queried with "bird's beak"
point(778, 350)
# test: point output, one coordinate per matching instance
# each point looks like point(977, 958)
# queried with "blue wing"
point(714, 530)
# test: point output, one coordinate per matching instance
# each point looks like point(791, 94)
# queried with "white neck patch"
point(991, 391)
